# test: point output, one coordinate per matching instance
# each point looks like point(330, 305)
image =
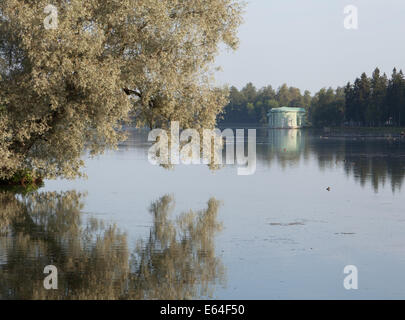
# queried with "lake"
point(132, 230)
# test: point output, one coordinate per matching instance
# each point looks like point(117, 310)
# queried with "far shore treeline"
point(374, 101)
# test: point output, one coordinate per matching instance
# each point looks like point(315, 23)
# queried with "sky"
point(305, 44)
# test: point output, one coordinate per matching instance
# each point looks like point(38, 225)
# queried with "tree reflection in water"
point(378, 161)
point(176, 261)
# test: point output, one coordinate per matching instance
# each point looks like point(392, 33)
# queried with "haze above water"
point(194, 233)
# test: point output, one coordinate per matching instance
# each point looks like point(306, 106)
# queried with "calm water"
point(136, 231)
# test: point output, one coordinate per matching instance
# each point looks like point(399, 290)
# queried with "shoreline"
point(396, 133)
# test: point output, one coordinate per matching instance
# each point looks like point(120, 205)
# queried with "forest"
point(374, 101)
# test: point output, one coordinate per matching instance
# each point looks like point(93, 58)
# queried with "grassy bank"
point(22, 182)
point(364, 131)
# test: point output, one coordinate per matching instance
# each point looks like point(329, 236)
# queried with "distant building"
point(287, 118)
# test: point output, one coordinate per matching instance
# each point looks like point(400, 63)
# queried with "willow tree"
point(71, 75)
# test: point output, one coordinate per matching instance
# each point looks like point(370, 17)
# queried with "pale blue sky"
point(303, 43)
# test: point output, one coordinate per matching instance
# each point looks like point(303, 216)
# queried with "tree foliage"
point(250, 105)
point(376, 101)
point(107, 61)
point(327, 107)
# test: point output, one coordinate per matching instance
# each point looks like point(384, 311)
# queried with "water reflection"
point(377, 161)
point(176, 261)
point(286, 146)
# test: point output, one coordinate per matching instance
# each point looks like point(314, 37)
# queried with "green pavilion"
point(287, 118)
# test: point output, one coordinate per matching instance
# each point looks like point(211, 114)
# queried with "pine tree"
point(395, 96)
point(377, 113)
